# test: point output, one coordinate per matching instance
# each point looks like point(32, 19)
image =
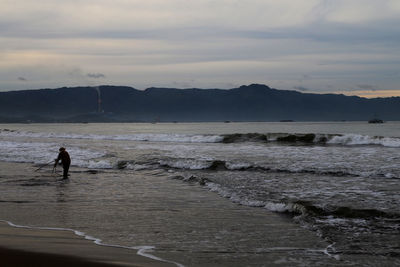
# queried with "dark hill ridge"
point(254, 102)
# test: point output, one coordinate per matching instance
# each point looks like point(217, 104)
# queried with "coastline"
point(36, 247)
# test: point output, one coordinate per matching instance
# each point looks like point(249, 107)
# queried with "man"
point(65, 160)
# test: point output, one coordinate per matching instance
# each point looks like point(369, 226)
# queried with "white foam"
point(41, 153)
point(189, 164)
point(331, 252)
point(141, 250)
point(252, 203)
point(185, 138)
point(277, 207)
point(390, 175)
point(357, 139)
point(270, 206)
point(137, 167)
point(226, 193)
point(213, 187)
point(237, 165)
point(342, 221)
point(101, 164)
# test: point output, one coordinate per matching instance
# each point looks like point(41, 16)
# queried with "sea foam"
point(41, 153)
point(141, 250)
point(186, 138)
point(357, 139)
point(336, 139)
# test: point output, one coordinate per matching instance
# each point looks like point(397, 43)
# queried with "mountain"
point(255, 102)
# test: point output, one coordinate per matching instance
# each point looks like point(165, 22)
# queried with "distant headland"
point(255, 102)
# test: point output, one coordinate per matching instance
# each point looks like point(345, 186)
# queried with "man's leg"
point(65, 173)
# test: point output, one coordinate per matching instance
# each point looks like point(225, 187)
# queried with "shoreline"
point(24, 246)
point(214, 230)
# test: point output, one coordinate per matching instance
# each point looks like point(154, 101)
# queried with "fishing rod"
point(44, 165)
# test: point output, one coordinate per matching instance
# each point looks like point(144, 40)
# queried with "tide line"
point(141, 250)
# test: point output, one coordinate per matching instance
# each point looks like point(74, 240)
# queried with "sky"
point(317, 46)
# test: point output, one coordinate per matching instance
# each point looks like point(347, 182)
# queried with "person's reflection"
point(62, 211)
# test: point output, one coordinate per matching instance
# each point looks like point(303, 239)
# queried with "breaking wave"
point(330, 222)
point(40, 153)
point(282, 138)
point(299, 207)
point(221, 165)
point(357, 139)
point(126, 137)
point(311, 138)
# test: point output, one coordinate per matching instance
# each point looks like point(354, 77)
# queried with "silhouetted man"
point(65, 160)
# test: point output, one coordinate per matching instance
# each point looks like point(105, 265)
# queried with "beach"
point(32, 247)
point(197, 218)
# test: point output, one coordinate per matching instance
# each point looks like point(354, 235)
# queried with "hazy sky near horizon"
point(347, 46)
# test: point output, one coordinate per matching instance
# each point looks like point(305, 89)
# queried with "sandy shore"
point(186, 223)
point(30, 247)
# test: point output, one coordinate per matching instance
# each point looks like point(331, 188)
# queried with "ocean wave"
point(313, 138)
point(335, 223)
point(281, 138)
point(189, 164)
point(100, 164)
point(280, 207)
point(304, 208)
point(41, 153)
point(221, 165)
point(357, 139)
point(184, 138)
point(310, 209)
point(276, 137)
point(196, 164)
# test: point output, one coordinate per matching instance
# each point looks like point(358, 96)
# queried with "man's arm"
point(57, 160)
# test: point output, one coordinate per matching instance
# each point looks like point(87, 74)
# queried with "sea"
point(213, 194)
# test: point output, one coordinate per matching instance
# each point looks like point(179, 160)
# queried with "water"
point(151, 184)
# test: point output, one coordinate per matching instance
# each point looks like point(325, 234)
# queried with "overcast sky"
point(348, 46)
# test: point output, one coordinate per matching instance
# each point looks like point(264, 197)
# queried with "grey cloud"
point(382, 31)
point(96, 75)
point(333, 32)
point(76, 72)
point(246, 51)
point(367, 87)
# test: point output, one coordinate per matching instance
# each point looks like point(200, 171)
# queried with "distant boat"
point(375, 121)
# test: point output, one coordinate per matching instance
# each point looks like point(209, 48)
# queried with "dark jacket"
point(64, 157)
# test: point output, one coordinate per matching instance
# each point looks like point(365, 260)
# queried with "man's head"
point(62, 149)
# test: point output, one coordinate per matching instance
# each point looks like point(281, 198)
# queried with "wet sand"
point(31, 247)
point(185, 222)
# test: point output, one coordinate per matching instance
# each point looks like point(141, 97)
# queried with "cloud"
point(283, 43)
point(96, 75)
point(22, 79)
point(367, 87)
